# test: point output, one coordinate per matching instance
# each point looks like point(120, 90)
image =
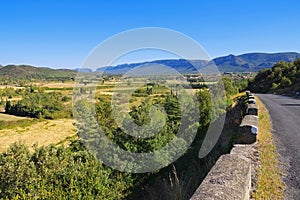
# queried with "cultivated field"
point(41, 133)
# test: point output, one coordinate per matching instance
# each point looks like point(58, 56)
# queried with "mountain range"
point(250, 62)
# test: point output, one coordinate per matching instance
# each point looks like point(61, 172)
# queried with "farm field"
point(41, 133)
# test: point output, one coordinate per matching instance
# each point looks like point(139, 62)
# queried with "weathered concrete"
point(243, 150)
point(252, 109)
point(229, 179)
point(246, 136)
point(234, 175)
point(251, 96)
point(248, 130)
point(251, 101)
point(250, 151)
point(249, 120)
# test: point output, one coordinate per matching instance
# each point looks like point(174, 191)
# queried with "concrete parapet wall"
point(229, 179)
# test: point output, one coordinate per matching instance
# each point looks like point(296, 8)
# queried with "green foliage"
point(19, 123)
point(39, 105)
point(220, 96)
point(140, 115)
point(172, 108)
point(19, 73)
point(229, 86)
point(54, 89)
point(72, 173)
point(205, 107)
point(59, 173)
point(11, 92)
point(281, 76)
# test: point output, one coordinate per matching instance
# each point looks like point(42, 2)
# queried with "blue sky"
point(60, 34)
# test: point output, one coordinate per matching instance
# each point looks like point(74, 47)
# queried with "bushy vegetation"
point(59, 173)
point(39, 105)
point(140, 114)
point(9, 93)
point(281, 76)
point(73, 173)
point(210, 108)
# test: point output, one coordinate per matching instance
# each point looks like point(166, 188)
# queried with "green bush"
point(59, 173)
point(39, 105)
point(281, 76)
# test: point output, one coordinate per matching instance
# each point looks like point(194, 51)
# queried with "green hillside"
point(283, 77)
point(30, 72)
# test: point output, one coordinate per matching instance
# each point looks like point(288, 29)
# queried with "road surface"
point(285, 116)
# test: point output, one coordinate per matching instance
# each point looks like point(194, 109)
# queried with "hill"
point(251, 62)
point(282, 78)
point(30, 72)
point(181, 65)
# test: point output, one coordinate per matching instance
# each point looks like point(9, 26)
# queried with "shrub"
point(58, 173)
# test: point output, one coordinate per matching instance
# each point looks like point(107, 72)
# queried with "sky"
point(61, 34)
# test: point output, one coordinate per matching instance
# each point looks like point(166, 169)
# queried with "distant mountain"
point(250, 62)
point(84, 70)
point(180, 65)
point(27, 72)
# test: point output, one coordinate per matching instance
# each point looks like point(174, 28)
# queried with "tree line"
point(283, 76)
point(40, 105)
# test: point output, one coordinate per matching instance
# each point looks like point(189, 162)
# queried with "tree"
point(205, 106)
point(172, 108)
point(7, 106)
point(285, 82)
point(281, 76)
point(47, 105)
point(229, 87)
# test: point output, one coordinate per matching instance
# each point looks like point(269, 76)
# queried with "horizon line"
point(145, 61)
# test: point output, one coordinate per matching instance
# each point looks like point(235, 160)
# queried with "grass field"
point(43, 133)
point(57, 85)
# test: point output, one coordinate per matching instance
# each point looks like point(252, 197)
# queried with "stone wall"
point(232, 175)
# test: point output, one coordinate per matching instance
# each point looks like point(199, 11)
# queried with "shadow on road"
point(290, 104)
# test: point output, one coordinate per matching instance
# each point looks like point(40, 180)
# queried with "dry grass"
point(42, 133)
point(10, 86)
point(238, 95)
point(269, 184)
point(6, 117)
point(57, 85)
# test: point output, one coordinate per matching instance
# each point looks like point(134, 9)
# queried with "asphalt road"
point(285, 116)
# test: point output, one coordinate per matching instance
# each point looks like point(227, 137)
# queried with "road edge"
point(269, 175)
